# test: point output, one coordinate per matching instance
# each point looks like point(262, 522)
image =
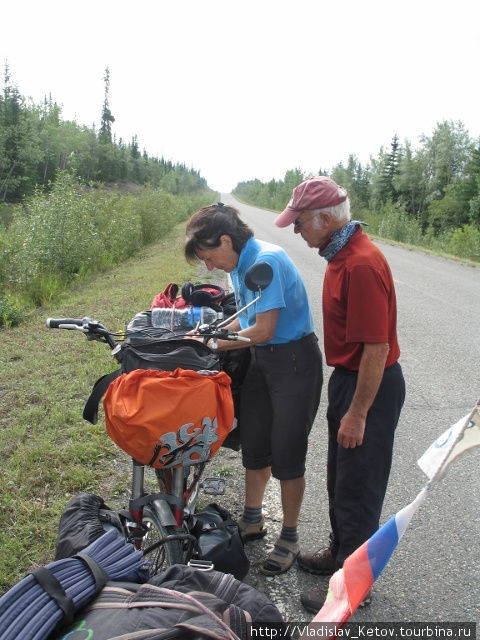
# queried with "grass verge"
point(49, 453)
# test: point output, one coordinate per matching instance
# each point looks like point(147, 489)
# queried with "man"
point(366, 389)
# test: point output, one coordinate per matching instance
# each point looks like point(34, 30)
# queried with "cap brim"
point(287, 216)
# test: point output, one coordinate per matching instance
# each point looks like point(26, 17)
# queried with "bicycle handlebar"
point(94, 330)
point(55, 323)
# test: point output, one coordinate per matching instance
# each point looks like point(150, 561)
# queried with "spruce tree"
point(391, 171)
point(105, 134)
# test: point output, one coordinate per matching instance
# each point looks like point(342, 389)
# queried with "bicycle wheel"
point(167, 553)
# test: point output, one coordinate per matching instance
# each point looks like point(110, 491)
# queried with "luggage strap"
point(54, 589)
point(90, 411)
point(100, 576)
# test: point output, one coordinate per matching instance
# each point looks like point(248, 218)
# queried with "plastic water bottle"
point(204, 315)
point(186, 318)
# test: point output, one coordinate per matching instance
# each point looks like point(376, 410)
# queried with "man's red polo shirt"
point(359, 304)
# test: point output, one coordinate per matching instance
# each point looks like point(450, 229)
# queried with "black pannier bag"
point(219, 541)
point(84, 519)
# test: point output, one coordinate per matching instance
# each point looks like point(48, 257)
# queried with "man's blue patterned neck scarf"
point(339, 239)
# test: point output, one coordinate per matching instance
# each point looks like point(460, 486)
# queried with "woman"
point(281, 390)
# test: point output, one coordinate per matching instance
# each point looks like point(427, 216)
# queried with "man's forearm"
point(370, 374)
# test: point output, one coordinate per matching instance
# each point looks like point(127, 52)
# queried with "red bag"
point(169, 418)
point(168, 298)
point(198, 295)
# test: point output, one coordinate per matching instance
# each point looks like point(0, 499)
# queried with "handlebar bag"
point(168, 355)
point(169, 418)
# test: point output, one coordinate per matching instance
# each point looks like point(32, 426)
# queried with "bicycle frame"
point(176, 493)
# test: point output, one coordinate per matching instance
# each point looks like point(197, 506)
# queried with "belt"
point(287, 345)
point(341, 369)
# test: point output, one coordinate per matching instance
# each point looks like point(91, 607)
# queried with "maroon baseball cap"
point(314, 193)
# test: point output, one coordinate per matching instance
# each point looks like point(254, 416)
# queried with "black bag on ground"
point(182, 602)
point(219, 541)
point(259, 608)
point(84, 519)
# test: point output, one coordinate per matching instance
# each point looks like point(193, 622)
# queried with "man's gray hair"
point(338, 212)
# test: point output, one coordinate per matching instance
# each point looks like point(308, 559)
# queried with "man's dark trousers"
point(357, 478)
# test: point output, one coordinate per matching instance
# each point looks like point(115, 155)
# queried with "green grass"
point(225, 471)
point(49, 453)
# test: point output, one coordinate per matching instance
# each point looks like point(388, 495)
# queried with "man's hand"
point(370, 374)
point(352, 428)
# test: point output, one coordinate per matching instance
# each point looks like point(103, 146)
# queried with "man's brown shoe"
point(314, 600)
point(321, 562)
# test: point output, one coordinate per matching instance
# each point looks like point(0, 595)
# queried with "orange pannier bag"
point(169, 418)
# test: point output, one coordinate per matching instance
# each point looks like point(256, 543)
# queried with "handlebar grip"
point(54, 323)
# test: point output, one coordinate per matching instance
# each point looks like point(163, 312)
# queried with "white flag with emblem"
point(455, 441)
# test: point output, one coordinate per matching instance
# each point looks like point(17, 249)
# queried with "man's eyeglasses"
point(297, 223)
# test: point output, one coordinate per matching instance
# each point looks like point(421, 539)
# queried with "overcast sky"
point(251, 88)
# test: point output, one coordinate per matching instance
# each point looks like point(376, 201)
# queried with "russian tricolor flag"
point(349, 585)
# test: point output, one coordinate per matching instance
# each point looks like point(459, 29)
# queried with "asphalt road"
point(433, 574)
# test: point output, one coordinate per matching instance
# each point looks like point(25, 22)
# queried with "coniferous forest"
point(36, 143)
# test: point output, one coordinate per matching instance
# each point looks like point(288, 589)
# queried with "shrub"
point(447, 212)
point(75, 230)
point(60, 233)
point(464, 242)
point(156, 211)
point(11, 248)
point(7, 212)
point(10, 315)
point(119, 227)
point(397, 225)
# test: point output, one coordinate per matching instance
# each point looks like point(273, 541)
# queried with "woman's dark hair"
point(207, 225)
